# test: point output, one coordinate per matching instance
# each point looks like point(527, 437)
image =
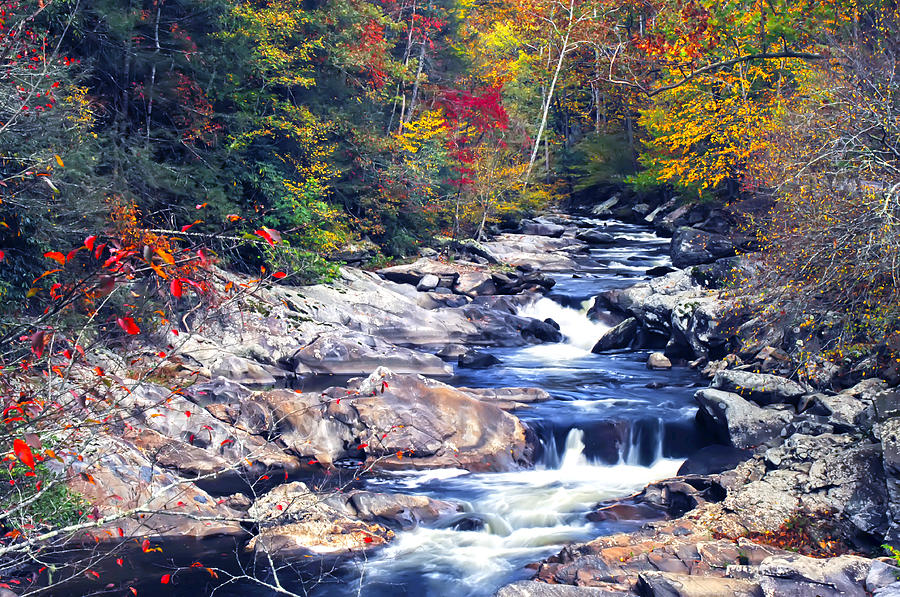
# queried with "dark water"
point(605, 434)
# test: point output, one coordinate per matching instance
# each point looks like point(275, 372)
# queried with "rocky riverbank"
point(286, 395)
point(801, 490)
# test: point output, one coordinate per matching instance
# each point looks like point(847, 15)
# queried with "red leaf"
point(265, 234)
point(227, 441)
point(165, 579)
point(279, 275)
point(367, 539)
point(2, 255)
point(176, 288)
point(38, 340)
point(203, 259)
point(127, 324)
point(23, 453)
point(89, 242)
point(121, 532)
point(56, 256)
point(145, 546)
point(72, 254)
point(133, 590)
point(186, 227)
point(120, 561)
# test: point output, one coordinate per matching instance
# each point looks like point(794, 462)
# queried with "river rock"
point(430, 424)
point(541, 228)
point(475, 284)
point(293, 522)
point(802, 576)
point(762, 388)
point(596, 237)
point(414, 273)
point(691, 246)
point(668, 584)
point(350, 353)
point(530, 588)
point(620, 336)
point(736, 421)
point(889, 432)
point(540, 252)
point(428, 282)
point(658, 362)
point(477, 360)
point(115, 476)
point(405, 511)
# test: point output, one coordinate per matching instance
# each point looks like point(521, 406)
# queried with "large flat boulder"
point(357, 354)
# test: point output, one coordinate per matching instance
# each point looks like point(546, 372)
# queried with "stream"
point(605, 434)
point(612, 427)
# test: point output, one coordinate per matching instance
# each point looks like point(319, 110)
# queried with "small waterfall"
point(573, 456)
point(645, 443)
point(579, 331)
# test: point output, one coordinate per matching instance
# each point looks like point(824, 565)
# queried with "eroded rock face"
point(843, 576)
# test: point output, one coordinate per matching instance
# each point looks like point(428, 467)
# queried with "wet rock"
point(762, 388)
point(881, 575)
point(477, 360)
point(660, 270)
point(658, 362)
point(302, 424)
point(736, 421)
point(595, 237)
point(535, 329)
point(843, 576)
point(667, 584)
point(406, 511)
point(620, 336)
point(351, 353)
point(691, 246)
point(508, 398)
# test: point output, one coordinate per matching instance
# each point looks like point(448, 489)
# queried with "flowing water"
point(611, 428)
point(605, 434)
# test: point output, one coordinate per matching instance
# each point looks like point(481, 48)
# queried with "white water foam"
point(581, 333)
point(527, 515)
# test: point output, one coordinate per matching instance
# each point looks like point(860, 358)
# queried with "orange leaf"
point(232, 217)
point(56, 256)
point(165, 256)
